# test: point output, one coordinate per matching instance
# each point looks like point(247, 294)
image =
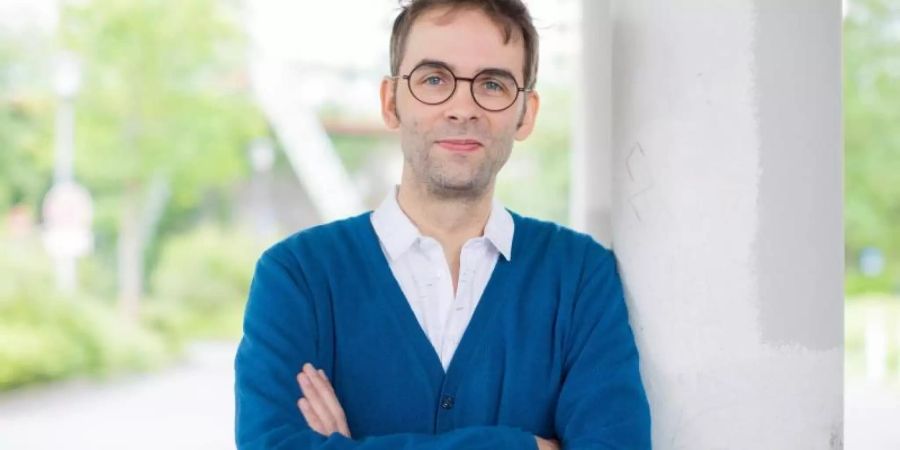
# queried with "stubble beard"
point(436, 172)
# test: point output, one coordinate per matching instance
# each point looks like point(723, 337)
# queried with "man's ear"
point(389, 103)
point(526, 124)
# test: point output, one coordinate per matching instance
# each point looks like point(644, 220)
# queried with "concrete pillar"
point(590, 199)
point(727, 215)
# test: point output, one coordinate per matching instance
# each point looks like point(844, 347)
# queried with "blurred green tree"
point(163, 116)
point(872, 137)
point(25, 124)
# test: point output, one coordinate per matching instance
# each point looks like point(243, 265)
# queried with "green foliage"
point(163, 93)
point(856, 284)
point(165, 96)
point(541, 185)
point(872, 138)
point(200, 285)
point(25, 124)
point(45, 335)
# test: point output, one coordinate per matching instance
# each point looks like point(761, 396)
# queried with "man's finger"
point(317, 403)
point(317, 376)
point(311, 419)
point(343, 427)
point(308, 414)
point(315, 400)
point(327, 382)
point(327, 395)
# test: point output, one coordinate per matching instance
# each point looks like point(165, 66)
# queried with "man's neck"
point(452, 221)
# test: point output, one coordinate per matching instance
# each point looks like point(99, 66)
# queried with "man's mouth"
point(460, 145)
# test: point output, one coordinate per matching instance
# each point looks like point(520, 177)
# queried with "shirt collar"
point(397, 233)
point(499, 229)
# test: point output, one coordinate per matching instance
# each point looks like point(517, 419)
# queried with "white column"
point(727, 216)
point(590, 200)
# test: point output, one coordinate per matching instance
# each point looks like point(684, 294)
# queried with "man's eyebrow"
point(487, 70)
point(434, 62)
point(496, 71)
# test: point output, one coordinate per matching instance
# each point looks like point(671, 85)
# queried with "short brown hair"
point(506, 13)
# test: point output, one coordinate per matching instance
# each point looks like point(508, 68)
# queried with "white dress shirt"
point(421, 270)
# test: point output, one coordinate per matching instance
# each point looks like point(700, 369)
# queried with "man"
point(442, 320)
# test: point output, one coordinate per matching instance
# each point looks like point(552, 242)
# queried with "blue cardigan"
point(548, 351)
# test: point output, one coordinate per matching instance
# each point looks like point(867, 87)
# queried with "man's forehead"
point(463, 36)
point(446, 15)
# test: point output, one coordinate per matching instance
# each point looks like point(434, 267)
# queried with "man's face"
point(456, 148)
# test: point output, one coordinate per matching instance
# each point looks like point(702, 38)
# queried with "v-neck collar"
point(397, 232)
point(400, 312)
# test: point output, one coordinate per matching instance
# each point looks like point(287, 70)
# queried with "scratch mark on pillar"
point(637, 146)
point(634, 196)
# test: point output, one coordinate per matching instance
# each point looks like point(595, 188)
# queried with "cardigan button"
point(447, 402)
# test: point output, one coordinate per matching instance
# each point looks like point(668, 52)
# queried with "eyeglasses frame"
point(456, 80)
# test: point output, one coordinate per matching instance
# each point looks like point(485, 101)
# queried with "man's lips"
point(460, 145)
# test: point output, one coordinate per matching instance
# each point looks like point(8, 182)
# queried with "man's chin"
point(457, 188)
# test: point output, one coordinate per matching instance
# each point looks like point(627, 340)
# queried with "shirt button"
point(447, 402)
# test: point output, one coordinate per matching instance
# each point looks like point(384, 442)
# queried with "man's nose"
point(461, 106)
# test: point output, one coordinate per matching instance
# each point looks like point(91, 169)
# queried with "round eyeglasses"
point(434, 83)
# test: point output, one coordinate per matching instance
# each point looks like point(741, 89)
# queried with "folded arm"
point(279, 336)
point(602, 403)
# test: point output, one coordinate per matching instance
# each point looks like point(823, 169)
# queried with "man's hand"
point(324, 414)
point(547, 444)
point(319, 404)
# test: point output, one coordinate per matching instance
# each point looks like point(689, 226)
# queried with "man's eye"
point(493, 86)
point(434, 80)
